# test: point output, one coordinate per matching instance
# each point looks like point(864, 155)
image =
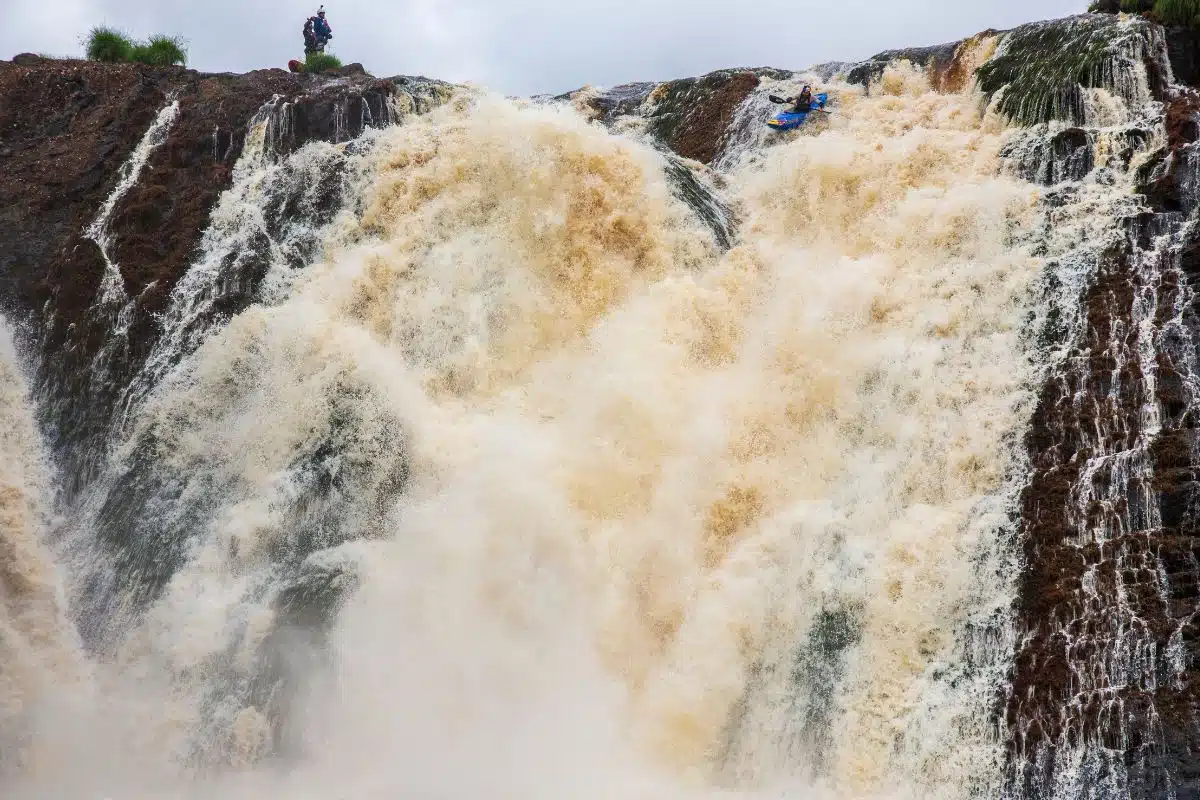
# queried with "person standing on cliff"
point(316, 33)
point(321, 29)
point(310, 37)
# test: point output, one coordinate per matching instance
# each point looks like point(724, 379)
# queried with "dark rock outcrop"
point(937, 58)
point(691, 116)
point(1183, 48)
point(66, 127)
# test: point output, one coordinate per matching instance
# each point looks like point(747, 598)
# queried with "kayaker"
point(804, 101)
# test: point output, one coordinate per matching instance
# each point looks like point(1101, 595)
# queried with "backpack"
point(308, 27)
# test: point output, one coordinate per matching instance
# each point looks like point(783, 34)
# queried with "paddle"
point(779, 100)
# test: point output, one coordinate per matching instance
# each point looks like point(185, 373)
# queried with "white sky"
point(527, 46)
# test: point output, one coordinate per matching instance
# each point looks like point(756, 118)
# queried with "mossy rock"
point(1040, 71)
point(691, 115)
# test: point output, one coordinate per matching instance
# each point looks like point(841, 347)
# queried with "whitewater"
point(578, 502)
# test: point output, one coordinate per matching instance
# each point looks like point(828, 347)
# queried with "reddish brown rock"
point(66, 128)
point(693, 116)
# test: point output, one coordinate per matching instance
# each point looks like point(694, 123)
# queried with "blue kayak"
point(788, 120)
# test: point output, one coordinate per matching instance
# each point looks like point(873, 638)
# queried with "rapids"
point(510, 480)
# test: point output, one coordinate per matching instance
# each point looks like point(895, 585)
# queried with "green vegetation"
point(114, 47)
point(1178, 12)
point(320, 62)
point(160, 51)
point(109, 45)
point(1044, 68)
point(1167, 12)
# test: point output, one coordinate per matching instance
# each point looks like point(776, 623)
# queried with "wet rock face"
point(936, 59)
point(1066, 155)
point(1105, 689)
point(1183, 47)
point(615, 102)
point(1183, 43)
point(66, 129)
point(691, 116)
point(61, 130)
point(1086, 529)
point(1111, 587)
point(338, 113)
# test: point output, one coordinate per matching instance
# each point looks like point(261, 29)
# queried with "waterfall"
point(264, 230)
point(523, 448)
point(78, 393)
point(498, 452)
point(38, 653)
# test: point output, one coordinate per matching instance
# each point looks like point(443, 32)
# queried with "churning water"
point(507, 480)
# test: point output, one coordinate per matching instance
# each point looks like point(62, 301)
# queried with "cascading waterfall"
point(1095, 662)
point(264, 230)
point(484, 456)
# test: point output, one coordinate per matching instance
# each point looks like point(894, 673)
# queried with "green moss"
point(1042, 69)
point(320, 62)
point(109, 45)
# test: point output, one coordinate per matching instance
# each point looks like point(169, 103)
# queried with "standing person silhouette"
point(321, 30)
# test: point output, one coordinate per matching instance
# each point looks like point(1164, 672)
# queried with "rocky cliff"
point(69, 136)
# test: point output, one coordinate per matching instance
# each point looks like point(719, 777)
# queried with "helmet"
point(321, 11)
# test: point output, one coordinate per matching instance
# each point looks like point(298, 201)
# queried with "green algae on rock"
point(1040, 71)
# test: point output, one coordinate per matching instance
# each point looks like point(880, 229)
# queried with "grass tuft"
point(161, 51)
point(320, 62)
point(114, 47)
point(109, 45)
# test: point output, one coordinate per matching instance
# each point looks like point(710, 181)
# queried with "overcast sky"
point(527, 46)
